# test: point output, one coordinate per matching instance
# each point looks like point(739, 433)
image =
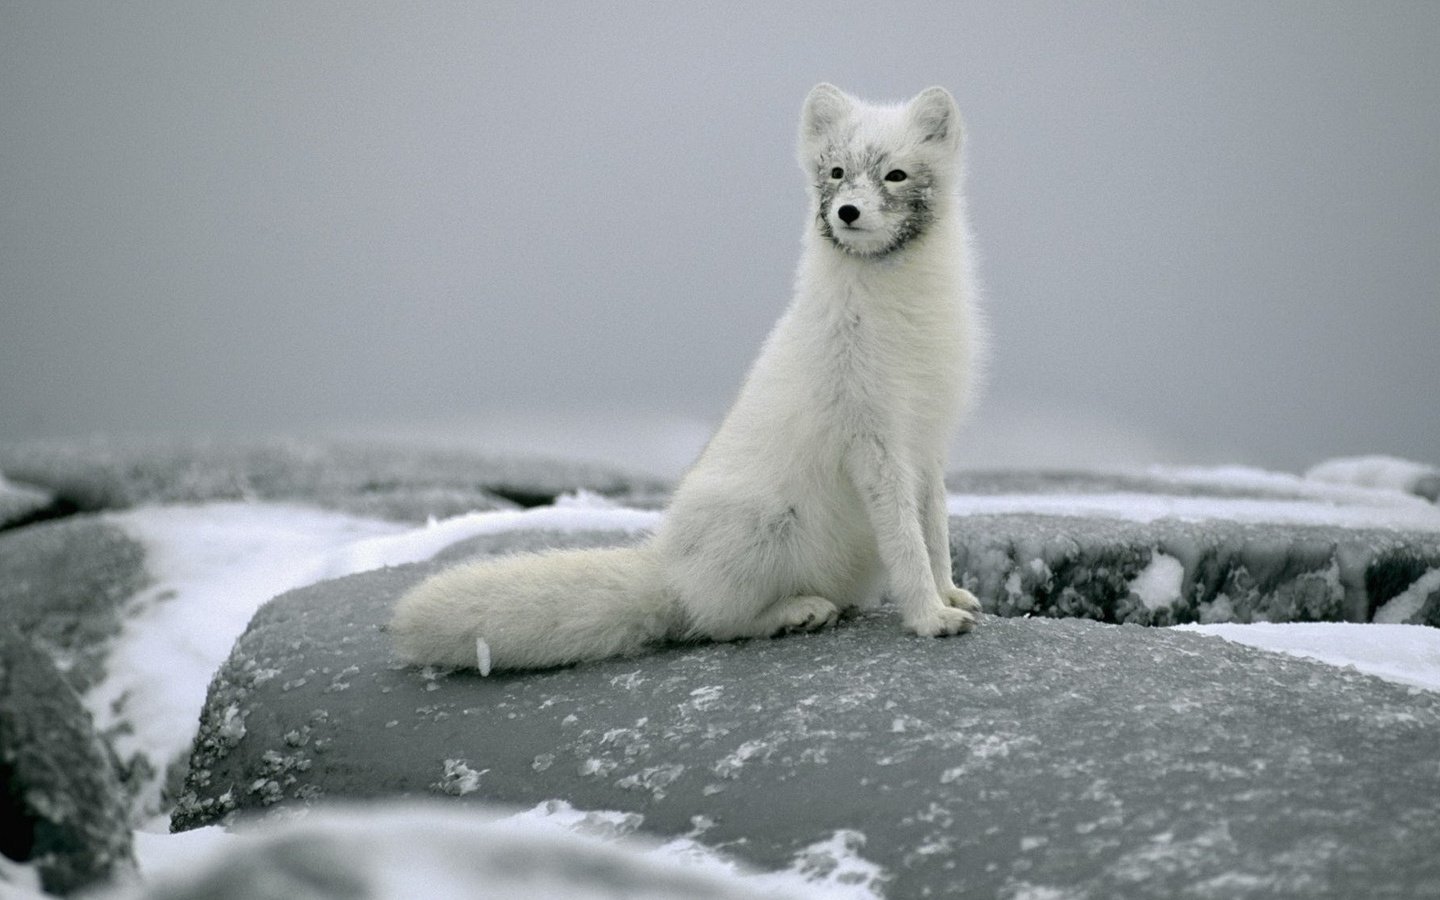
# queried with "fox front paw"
point(961, 599)
point(939, 621)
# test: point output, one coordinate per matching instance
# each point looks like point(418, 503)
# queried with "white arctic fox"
point(825, 476)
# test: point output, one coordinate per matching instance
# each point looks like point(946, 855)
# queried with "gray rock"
point(19, 503)
point(62, 804)
point(63, 585)
point(1023, 564)
point(1031, 756)
point(404, 483)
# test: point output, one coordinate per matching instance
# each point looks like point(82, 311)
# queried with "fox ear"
point(825, 108)
point(935, 117)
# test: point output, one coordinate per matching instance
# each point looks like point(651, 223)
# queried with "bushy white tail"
point(536, 610)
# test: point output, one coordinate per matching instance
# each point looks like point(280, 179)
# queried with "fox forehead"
point(865, 144)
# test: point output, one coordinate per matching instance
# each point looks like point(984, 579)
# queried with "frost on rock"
point(1171, 570)
point(459, 779)
point(63, 810)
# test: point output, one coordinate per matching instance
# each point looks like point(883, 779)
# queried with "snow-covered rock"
point(65, 584)
point(1380, 472)
point(1033, 755)
point(1171, 571)
point(392, 481)
point(440, 852)
point(1172, 546)
point(138, 608)
point(61, 807)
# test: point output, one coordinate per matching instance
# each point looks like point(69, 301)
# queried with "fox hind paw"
point(804, 614)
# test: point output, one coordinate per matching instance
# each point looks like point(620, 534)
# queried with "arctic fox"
point(823, 485)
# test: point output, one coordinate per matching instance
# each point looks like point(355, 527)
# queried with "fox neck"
point(932, 263)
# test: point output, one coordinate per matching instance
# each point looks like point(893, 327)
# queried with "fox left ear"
point(935, 117)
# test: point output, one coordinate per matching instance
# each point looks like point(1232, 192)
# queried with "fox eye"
point(837, 173)
point(896, 175)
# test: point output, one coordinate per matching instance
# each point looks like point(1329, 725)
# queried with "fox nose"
point(848, 214)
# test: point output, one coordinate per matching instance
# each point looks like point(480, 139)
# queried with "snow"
point(1406, 654)
point(213, 565)
point(1402, 606)
point(391, 848)
point(1348, 508)
point(1372, 471)
point(1158, 584)
point(459, 779)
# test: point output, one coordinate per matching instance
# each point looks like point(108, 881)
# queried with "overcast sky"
point(1209, 232)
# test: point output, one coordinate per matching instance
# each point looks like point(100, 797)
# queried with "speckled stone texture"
point(61, 804)
point(1033, 755)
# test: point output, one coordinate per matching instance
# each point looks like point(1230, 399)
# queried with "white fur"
point(823, 485)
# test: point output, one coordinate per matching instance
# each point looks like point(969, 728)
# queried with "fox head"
point(880, 175)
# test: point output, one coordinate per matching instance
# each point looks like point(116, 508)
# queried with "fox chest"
point(888, 370)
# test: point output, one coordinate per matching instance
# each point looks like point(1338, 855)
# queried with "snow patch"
point(458, 779)
point(421, 544)
point(1158, 584)
point(830, 869)
point(1382, 509)
point(1405, 654)
point(1403, 607)
point(212, 566)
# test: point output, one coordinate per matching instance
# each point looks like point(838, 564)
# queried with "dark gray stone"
point(1026, 564)
point(1092, 760)
point(62, 803)
point(404, 483)
point(20, 503)
point(63, 584)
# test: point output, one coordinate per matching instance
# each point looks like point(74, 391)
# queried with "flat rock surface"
point(1033, 757)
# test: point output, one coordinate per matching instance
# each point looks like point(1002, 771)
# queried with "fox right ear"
point(825, 108)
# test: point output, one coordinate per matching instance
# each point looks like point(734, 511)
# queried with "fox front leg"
point(935, 520)
point(887, 489)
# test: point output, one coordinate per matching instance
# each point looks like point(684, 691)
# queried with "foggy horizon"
point(1206, 234)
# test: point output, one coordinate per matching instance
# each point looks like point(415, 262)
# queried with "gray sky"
point(1208, 231)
